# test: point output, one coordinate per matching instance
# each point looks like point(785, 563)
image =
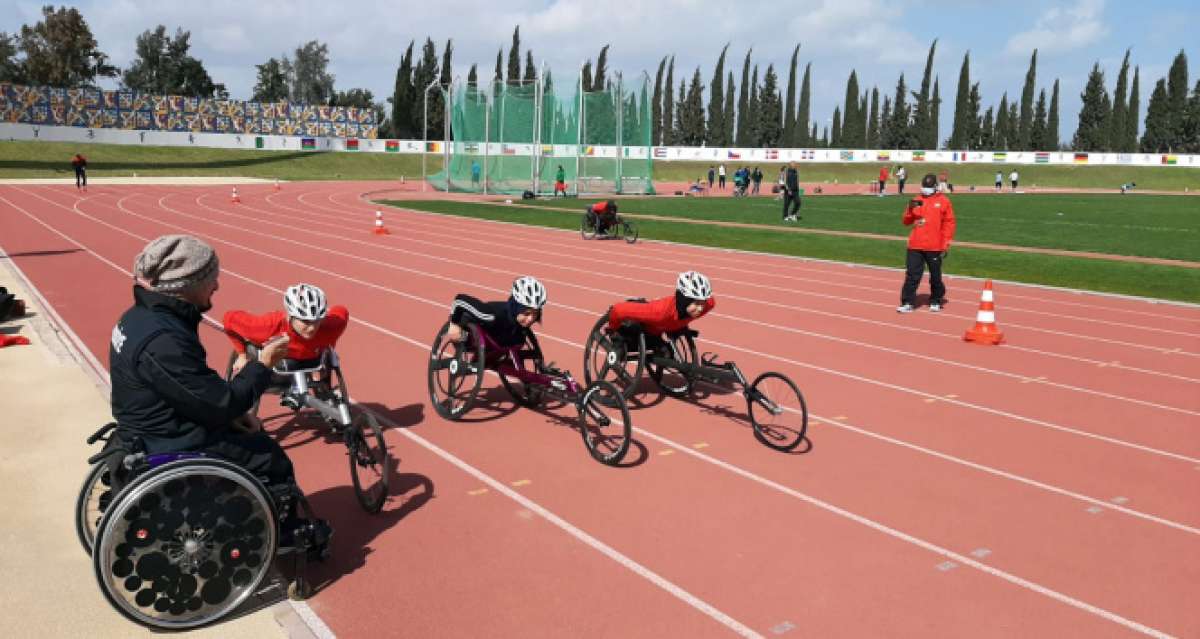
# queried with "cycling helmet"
point(693, 285)
point(529, 292)
point(305, 302)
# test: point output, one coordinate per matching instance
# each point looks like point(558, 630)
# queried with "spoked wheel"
point(630, 232)
point(672, 381)
point(778, 411)
point(370, 465)
point(611, 358)
point(604, 422)
point(531, 361)
point(94, 497)
point(587, 228)
point(455, 372)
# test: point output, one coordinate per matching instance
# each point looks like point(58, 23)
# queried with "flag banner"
point(508, 150)
point(1000, 157)
point(258, 142)
point(547, 149)
point(918, 156)
point(660, 152)
point(1170, 159)
point(1081, 158)
point(391, 146)
point(734, 155)
point(847, 156)
point(589, 150)
point(808, 154)
point(883, 156)
point(1042, 157)
point(352, 144)
point(772, 154)
point(308, 144)
point(433, 147)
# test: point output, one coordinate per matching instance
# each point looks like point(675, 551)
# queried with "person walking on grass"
point(931, 217)
point(791, 194)
point(883, 178)
point(999, 181)
point(901, 178)
point(1012, 179)
point(721, 177)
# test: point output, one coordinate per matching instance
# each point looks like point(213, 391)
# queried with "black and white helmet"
point(694, 286)
point(305, 302)
point(529, 292)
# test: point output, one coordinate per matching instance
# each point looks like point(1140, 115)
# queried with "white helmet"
point(529, 292)
point(305, 302)
point(693, 285)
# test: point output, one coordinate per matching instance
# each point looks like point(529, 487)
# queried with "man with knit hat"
point(163, 391)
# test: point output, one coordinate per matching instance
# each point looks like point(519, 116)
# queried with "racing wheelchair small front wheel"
point(629, 232)
point(456, 372)
point(604, 423)
point(778, 411)
point(587, 227)
point(370, 465)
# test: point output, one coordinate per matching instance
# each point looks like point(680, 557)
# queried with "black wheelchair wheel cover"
point(472, 346)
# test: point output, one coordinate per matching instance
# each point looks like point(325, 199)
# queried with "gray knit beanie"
point(172, 263)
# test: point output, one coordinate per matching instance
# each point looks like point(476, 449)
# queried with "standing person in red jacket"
point(692, 300)
point(79, 163)
point(306, 319)
point(883, 178)
point(932, 218)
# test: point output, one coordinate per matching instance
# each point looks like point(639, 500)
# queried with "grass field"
point(51, 159)
point(1164, 282)
point(1163, 226)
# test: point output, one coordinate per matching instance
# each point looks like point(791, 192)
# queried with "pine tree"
point(1094, 114)
point(730, 109)
point(849, 136)
point(1118, 125)
point(770, 109)
point(716, 102)
point(1025, 124)
point(741, 138)
point(1053, 141)
point(959, 134)
point(1000, 136)
point(1177, 94)
point(514, 57)
point(803, 113)
point(656, 113)
point(1157, 136)
point(935, 108)
point(873, 120)
point(1131, 116)
point(835, 137)
point(1037, 132)
point(790, 131)
point(668, 110)
point(919, 131)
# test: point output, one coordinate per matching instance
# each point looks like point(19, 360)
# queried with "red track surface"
point(1048, 487)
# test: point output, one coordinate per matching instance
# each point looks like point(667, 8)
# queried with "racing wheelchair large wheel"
point(587, 227)
point(455, 372)
point(611, 358)
point(629, 232)
point(674, 382)
point(531, 361)
point(778, 411)
point(186, 543)
point(95, 496)
point(604, 423)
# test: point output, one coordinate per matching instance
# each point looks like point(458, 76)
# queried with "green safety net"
point(512, 138)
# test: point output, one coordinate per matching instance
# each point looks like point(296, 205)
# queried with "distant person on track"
point(999, 181)
point(560, 182)
point(1013, 179)
point(901, 178)
point(932, 218)
point(507, 322)
point(712, 174)
point(1125, 188)
point(883, 178)
point(791, 193)
point(756, 177)
point(475, 174)
point(944, 181)
point(692, 300)
point(721, 177)
point(79, 163)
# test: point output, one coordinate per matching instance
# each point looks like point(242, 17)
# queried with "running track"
point(1049, 487)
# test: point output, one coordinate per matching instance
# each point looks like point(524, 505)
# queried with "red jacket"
point(883, 174)
point(656, 317)
point(938, 230)
point(260, 328)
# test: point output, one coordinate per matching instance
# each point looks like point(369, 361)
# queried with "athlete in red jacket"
point(692, 300)
point(932, 217)
point(308, 321)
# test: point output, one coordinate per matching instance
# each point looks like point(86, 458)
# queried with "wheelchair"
point(180, 540)
point(619, 228)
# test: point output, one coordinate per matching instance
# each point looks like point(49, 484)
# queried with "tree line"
point(757, 111)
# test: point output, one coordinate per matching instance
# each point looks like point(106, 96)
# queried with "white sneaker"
point(904, 308)
point(935, 308)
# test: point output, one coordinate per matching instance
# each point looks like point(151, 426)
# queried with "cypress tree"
point(743, 103)
point(770, 109)
point(919, 130)
point(825, 144)
point(1177, 94)
point(668, 114)
point(514, 57)
point(1131, 116)
point(530, 70)
point(1025, 125)
point(730, 109)
point(1014, 119)
point(1191, 123)
point(752, 111)
point(499, 77)
point(1037, 136)
point(403, 97)
point(835, 137)
point(599, 81)
point(935, 108)
point(680, 137)
point(716, 102)
point(885, 123)
point(1157, 136)
point(862, 121)
point(1000, 135)
point(873, 120)
point(656, 113)
point(812, 136)
point(849, 135)
point(972, 125)
point(444, 79)
point(1118, 126)
point(959, 134)
point(1052, 137)
point(692, 112)
point(1094, 114)
point(791, 136)
point(803, 112)
point(987, 132)
point(898, 126)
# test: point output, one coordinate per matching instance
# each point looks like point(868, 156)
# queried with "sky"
point(877, 38)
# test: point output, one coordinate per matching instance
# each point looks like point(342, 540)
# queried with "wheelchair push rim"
point(370, 465)
point(604, 423)
point(608, 358)
point(185, 544)
point(777, 411)
point(455, 372)
point(94, 498)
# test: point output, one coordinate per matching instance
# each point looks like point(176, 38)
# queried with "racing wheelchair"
point(318, 384)
point(774, 404)
point(180, 540)
point(619, 228)
point(456, 371)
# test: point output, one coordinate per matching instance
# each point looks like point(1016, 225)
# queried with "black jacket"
point(162, 388)
point(497, 319)
point(792, 182)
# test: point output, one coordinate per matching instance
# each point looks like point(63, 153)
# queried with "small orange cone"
point(234, 199)
point(380, 229)
point(985, 331)
point(276, 185)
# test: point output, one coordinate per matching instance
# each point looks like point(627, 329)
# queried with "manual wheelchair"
point(618, 228)
point(456, 373)
point(180, 540)
point(774, 404)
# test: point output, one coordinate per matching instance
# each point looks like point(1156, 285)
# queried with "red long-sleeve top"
point(258, 329)
point(938, 230)
point(656, 317)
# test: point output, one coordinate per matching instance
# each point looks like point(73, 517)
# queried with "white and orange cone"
point(234, 199)
point(380, 229)
point(985, 330)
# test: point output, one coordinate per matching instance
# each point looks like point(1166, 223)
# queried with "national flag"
point(308, 144)
point(258, 142)
point(1042, 157)
point(660, 152)
point(808, 154)
point(918, 156)
point(883, 156)
point(508, 150)
point(352, 144)
point(433, 147)
point(772, 154)
point(1081, 158)
point(1170, 159)
point(734, 155)
point(1000, 157)
point(589, 150)
point(547, 149)
point(392, 146)
point(847, 156)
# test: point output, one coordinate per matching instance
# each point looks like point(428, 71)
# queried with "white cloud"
point(1061, 29)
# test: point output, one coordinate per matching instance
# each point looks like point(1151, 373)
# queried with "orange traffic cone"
point(234, 199)
point(380, 229)
point(276, 185)
point(985, 331)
